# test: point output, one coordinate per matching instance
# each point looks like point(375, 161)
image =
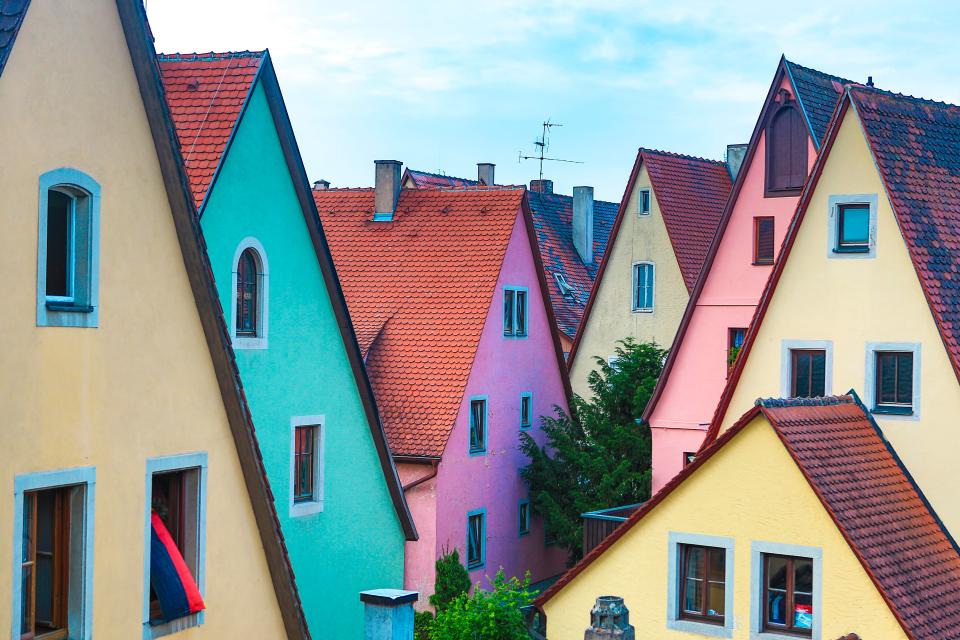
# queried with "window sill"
point(782, 193)
point(474, 567)
point(780, 635)
point(249, 342)
point(68, 307)
point(864, 249)
point(477, 453)
point(643, 311)
point(763, 263)
point(893, 410)
point(157, 630)
point(306, 508)
point(701, 627)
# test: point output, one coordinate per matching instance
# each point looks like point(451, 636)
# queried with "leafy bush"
point(422, 621)
point(486, 615)
point(452, 580)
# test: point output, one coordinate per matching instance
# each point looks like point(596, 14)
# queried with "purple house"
point(447, 295)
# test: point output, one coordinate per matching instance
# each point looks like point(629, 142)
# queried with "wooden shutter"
point(763, 247)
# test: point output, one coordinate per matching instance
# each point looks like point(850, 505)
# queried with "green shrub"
point(486, 615)
point(452, 580)
point(422, 620)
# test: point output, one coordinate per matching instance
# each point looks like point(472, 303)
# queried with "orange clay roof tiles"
point(206, 93)
point(419, 289)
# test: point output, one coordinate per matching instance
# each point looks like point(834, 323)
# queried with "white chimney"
point(386, 189)
point(583, 223)
point(735, 156)
point(321, 185)
point(485, 173)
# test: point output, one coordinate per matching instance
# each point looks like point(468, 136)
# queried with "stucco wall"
point(640, 239)
point(504, 368)
point(140, 385)
point(728, 299)
point(356, 542)
point(855, 302)
point(750, 491)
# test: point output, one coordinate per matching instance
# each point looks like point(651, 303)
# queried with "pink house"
point(782, 149)
point(447, 296)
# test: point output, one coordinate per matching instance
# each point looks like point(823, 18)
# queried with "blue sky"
point(444, 85)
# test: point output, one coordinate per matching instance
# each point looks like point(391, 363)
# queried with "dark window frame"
point(896, 406)
point(56, 627)
point(247, 311)
point(794, 355)
point(686, 550)
point(774, 137)
point(763, 259)
point(851, 247)
point(523, 517)
point(789, 597)
point(526, 410)
point(478, 426)
point(643, 201)
point(304, 457)
point(476, 539)
point(732, 345)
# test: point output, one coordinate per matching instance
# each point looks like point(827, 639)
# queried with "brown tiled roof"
point(871, 498)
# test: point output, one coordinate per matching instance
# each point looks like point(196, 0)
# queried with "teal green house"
point(337, 493)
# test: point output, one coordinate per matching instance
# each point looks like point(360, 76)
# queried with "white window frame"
point(834, 203)
point(653, 287)
point(786, 362)
point(263, 296)
point(640, 193)
point(674, 622)
point(178, 462)
point(80, 614)
point(305, 508)
point(757, 550)
point(870, 377)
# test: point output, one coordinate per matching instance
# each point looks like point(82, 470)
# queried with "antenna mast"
point(543, 145)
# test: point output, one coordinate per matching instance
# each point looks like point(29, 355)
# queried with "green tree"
point(597, 456)
point(452, 580)
point(486, 615)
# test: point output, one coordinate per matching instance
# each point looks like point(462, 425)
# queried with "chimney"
point(735, 155)
point(388, 614)
point(386, 189)
point(583, 223)
point(609, 620)
point(321, 185)
point(485, 173)
point(541, 186)
point(869, 81)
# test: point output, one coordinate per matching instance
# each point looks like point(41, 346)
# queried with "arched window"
point(786, 149)
point(249, 322)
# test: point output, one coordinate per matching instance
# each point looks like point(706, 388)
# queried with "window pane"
point(693, 596)
point(508, 305)
point(777, 573)
point(818, 371)
point(905, 378)
point(521, 313)
point(716, 567)
point(695, 563)
point(854, 224)
point(59, 240)
point(247, 294)
point(716, 603)
point(803, 611)
point(525, 410)
point(477, 426)
point(801, 374)
point(803, 575)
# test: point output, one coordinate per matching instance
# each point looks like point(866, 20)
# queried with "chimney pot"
point(321, 185)
point(869, 81)
point(485, 173)
point(541, 186)
point(582, 224)
point(609, 620)
point(386, 189)
point(735, 156)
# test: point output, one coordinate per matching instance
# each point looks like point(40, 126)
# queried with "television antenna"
point(543, 145)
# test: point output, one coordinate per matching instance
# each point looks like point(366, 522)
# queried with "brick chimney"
point(541, 186)
point(583, 223)
point(485, 173)
point(386, 189)
point(735, 156)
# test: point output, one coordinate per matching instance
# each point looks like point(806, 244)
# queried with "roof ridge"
point(209, 56)
point(822, 401)
point(439, 175)
point(902, 96)
point(685, 156)
point(818, 72)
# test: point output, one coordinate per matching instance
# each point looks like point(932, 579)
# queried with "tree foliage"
point(597, 456)
point(486, 615)
point(452, 580)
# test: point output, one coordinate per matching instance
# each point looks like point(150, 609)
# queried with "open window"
point(476, 539)
point(735, 339)
point(478, 426)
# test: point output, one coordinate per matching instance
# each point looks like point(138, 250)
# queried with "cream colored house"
point(664, 227)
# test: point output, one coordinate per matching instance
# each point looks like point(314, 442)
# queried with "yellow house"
point(798, 522)
point(125, 435)
point(664, 226)
point(867, 293)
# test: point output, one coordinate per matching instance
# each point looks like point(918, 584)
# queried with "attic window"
point(566, 289)
point(786, 149)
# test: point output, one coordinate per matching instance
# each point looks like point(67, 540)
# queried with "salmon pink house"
point(447, 296)
point(782, 149)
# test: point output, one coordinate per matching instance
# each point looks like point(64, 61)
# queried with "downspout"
point(433, 474)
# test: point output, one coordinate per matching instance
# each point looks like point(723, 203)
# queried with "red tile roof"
point(425, 179)
point(876, 506)
point(206, 93)
point(692, 193)
point(419, 289)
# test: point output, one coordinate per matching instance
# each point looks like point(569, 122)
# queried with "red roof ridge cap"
point(209, 55)
point(682, 156)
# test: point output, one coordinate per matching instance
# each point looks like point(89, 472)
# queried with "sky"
point(441, 86)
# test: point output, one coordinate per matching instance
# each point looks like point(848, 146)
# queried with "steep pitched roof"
point(206, 93)
point(139, 41)
point(421, 297)
point(817, 86)
point(552, 218)
point(202, 102)
point(691, 193)
point(872, 499)
point(11, 17)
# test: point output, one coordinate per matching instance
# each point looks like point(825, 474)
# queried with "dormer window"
point(565, 288)
point(786, 148)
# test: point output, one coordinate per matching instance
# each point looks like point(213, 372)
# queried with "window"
point(565, 288)
point(175, 526)
point(852, 226)
point(523, 517)
point(786, 148)
point(788, 594)
point(68, 250)
point(303, 459)
point(700, 584)
point(703, 589)
point(689, 457)
point(526, 419)
point(249, 321)
point(735, 338)
point(643, 286)
point(478, 425)
point(476, 539)
point(892, 379)
point(643, 202)
point(763, 240)
point(53, 554)
point(808, 377)
point(515, 312)
point(306, 465)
